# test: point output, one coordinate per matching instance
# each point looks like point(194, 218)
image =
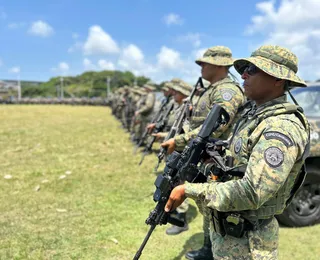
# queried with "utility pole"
point(19, 88)
point(108, 86)
point(58, 91)
point(61, 88)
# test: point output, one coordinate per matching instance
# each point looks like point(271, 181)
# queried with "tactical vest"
point(198, 118)
point(277, 204)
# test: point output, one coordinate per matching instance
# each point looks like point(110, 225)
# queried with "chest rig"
point(205, 99)
point(238, 223)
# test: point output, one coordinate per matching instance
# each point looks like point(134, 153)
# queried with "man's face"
point(257, 84)
point(178, 97)
point(208, 70)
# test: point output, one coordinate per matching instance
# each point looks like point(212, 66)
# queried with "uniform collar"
point(267, 106)
point(224, 80)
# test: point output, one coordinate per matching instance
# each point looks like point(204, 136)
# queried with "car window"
point(308, 99)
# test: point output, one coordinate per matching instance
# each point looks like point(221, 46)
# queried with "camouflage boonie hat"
point(181, 86)
point(166, 86)
point(147, 86)
point(274, 60)
point(217, 55)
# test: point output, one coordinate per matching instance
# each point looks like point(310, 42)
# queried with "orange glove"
point(176, 198)
point(170, 145)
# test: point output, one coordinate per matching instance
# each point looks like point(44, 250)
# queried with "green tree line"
point(88, 84)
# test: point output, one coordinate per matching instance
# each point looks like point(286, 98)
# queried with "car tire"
point(304, 210)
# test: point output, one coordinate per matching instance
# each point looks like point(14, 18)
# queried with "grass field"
point(71, 189)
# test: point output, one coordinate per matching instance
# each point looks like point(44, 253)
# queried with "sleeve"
point(268, 168)
point(148, 105)
point(230, 98)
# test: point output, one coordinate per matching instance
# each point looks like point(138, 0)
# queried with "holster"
point(233, 224)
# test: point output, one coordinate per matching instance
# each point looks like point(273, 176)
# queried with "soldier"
point(222, 90)
point(180, 90)
point(270, 143)
point(142, 115)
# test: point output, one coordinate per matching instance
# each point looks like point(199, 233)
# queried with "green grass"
point(97, 211)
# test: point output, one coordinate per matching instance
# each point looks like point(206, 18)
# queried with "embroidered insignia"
point(279, 136)
point(203, 105)
point(227, 94)
point(238, 145)
point(273, 156)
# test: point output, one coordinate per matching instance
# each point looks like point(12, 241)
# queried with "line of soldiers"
point(268, 140)
point(134, 106)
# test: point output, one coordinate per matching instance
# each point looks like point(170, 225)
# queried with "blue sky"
point(157, 39)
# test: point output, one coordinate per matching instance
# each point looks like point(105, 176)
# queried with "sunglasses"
point(251, 70)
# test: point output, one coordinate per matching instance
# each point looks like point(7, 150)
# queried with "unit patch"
point(273, 156)
point(203, 105)
point(279, 136)
point(238, 145)
point(227, 94)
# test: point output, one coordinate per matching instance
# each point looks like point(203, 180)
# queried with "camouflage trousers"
point(183, 208)
point(139, 125)
point(261, 244)
point(206, 212)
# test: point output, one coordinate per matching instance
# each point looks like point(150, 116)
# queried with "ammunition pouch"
point(233, 224)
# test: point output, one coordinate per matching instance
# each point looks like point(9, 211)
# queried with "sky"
point(156, 39)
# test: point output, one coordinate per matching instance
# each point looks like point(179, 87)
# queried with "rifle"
point(160, 125)
point(156, 117)
point(173, 173)
point(177, 124)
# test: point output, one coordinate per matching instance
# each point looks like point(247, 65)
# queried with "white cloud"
point(131, 57)
point(193, 38)
point(88, 65)
point(75, 47)
point(1, 63)
point(16, 25)
point(168, 58)
point(293, 24)
point(40, 28)
point(133, 53)
point(15, 70)
point(199, 53)
point(99, 42)
point(62, 68)
point(173, 18)
point(105, 65)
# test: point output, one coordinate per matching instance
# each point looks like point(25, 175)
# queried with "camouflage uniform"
point(225, 93)
point(145, 109)
point(125, 106)
point(271, 140)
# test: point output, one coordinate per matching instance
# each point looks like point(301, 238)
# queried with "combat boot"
point(204, 253)
point(175, 230)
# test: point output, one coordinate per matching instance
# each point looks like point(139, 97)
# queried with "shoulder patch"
point(279, 136)
point(273, 156)
point(227, 94)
